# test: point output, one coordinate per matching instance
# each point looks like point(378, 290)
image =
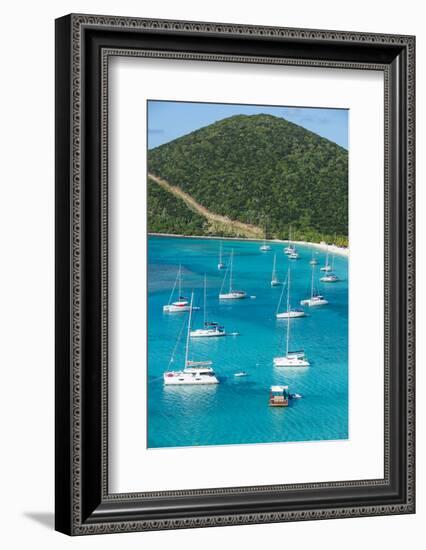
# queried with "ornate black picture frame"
point(83, 45)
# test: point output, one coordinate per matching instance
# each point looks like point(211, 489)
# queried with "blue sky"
point(168, 120)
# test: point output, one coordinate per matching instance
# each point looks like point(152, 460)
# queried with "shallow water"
point(236, 410)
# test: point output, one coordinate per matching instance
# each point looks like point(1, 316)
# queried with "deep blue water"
point(236, 410)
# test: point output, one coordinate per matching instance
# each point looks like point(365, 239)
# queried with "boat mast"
point(189, 330)
point(326, 258)
point(220, 252)
point(230, 271)
point(288, 311)
point(332, 257)
point(173, 289)
point(312, 282)
point(205, 301)
point(273, 269)
point(180, 281)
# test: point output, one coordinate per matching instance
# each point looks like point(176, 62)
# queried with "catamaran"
point(316, 299)
point(231, 294)
point(290, 312)
point(291, 358)
point(330, 277)
point(264, 247)
point(220, 264)
point(274, 279)
point(327, 267)
point(290, 248)
point(314, 260)
point(181, 304)
point(209, 329)
point(194, 372)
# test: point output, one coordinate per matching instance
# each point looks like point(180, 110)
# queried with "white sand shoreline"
point(321, 246)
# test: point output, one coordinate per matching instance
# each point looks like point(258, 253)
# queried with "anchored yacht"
point(315, 299)
point(327, 267)
point(291, 358)
point(182, 303)
point(264, 247)
point(209, 329)
point(290, 248)
point(231, 294)
point(289, 312)
point(329, 278)
point(194, 372)
point(220, 264)
point(314, 260)
point(274, 278)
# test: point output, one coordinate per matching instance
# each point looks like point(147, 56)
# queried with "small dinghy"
point(239, 374)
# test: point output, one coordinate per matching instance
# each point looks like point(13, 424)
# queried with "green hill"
point(260, 170)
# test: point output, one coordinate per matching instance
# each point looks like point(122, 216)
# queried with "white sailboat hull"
point(207, 333)
point(329, 279)
point(290, 314)
point(220, 266)
point(290, 361)
point(176, 378)
point(234, 295)
point(171, 308)
point(325, 268)
point(265, 248)
point(276, 283)
point(311, 302)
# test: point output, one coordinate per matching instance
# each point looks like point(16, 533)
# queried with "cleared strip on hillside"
point(217, 223)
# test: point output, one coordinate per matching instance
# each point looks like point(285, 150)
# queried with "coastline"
point(321, 246)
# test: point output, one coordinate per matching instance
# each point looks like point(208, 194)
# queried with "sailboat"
point(274, 279)
point(315, 299)
point(330, 277)
point(291, 358)
point(231, 294)
point(290, 248)
point(264, 247)
point(181, 304)
point(290, 312)
point(314, 260)
point(220, 264)
point(194, 372)
point(209, 329)
point(326, 267)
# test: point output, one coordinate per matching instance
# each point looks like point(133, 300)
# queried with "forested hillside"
point(260, 170)
point(168, 214)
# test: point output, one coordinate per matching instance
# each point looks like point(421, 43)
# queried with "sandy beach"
point(321, 246)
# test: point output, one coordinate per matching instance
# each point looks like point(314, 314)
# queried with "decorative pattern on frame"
point(80, 21)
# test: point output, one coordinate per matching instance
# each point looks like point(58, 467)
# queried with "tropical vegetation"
point(258, 169)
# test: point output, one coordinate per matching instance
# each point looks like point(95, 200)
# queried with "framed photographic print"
point(234, 274)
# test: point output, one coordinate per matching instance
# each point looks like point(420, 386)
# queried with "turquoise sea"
point(236, 411)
